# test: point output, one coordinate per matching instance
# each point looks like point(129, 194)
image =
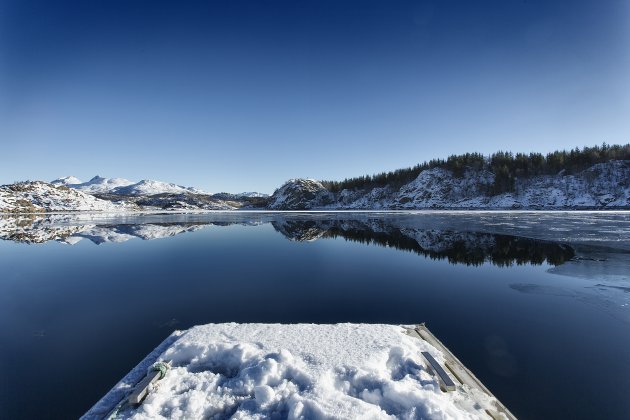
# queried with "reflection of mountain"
point(122, 233)
point(300, 230)
point(43, 229)
point(33, 229)
point(459, 240)
point(470, 248)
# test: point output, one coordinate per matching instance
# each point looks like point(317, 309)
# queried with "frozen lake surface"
point(537, 305)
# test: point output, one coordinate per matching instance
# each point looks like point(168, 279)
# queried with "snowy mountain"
point(604, 185)
point(151, 187)
point(37, 197)
point(121, 186)
point(96, 185)
point(117, 194)
point(67, 181)
point(41, 197)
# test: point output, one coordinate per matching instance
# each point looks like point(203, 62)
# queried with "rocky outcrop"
point(301, 194)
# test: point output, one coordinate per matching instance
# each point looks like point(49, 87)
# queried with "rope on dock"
point(161, 367)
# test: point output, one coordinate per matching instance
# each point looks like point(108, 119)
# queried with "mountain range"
point(587, 179)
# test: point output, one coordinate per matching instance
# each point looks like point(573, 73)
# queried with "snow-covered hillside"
point(604, 185)
point(67, 181)
point(186, 202)
point(38, 197)
point(96, 185)
point(118, 194)
point(150, 187)
point(121, 186)
point(251, 194)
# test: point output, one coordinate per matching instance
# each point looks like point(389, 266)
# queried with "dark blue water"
point(536, 306)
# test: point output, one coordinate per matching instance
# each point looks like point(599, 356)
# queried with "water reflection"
point(456, 246)
point(470, 248)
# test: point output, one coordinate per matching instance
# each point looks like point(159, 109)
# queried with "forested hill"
point(589, 178)
point(505, 166)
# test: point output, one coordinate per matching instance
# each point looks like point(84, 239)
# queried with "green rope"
point(157, 367)
point(160, 367)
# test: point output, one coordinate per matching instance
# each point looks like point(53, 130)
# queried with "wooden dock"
point(462, 378)
point(452, 377)
point(127, 385)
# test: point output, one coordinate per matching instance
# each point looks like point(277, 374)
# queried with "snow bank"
point(255, 371)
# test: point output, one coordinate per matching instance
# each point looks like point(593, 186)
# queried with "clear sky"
point(242, 95)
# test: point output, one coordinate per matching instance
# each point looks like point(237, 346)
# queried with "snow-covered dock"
point(255, 371)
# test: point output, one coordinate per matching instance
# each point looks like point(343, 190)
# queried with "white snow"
point(151, 187)
point(67, 180)
point(100, 185)
point(302, 371)
point(251, 194)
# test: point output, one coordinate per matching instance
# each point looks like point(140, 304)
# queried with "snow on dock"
point(255, 371)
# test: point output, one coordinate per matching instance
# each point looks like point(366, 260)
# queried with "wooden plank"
point(461, 372)
point(446, 383)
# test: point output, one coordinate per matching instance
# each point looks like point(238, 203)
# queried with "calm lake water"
point(537, 305)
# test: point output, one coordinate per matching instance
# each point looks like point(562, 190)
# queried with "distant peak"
point(67, 180)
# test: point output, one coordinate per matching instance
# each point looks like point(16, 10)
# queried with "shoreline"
point(321, 211)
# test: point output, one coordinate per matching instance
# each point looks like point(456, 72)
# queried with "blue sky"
point(239, 96)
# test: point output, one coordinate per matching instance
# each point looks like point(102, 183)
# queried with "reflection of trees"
point(470, 248)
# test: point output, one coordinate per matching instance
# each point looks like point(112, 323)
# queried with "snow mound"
point(256, 371)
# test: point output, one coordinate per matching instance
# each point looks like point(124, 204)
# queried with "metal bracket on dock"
point(446, 383)
point(141, 390)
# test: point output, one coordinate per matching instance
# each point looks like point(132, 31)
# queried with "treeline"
point(506, 166)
